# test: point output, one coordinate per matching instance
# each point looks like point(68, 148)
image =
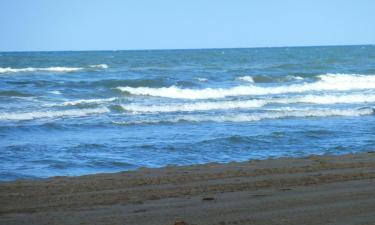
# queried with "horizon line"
point(179, 49)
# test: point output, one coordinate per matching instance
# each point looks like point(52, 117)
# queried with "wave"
point(198, 106)
point(246, 104)
point(246, 78)
point(83, 102)
point(325, 99)
point(52, 114)
point(201, 79)
point(55, 92)
point(328, 82)
point(88, 101)
point(49, 69)
point(269, 79)
point(32, 69)
point(100, 66)
point(297, 77)
point(275, 79)
point(256, 117)
point(11, 93)
point(332, 99)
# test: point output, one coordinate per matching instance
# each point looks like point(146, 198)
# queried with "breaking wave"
point(83, 102)
point(246, 78)
point(280, 114)
point(255, 103)
point(32, 69)
point(198, 106)
point(328, 82)
point(100, 66)
point(201, 79)
point(55, 92)
point(52, 114)
point(49, 69)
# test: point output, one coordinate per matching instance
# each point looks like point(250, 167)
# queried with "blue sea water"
point(74, 113)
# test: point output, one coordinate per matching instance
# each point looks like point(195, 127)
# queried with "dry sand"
point(314, 190)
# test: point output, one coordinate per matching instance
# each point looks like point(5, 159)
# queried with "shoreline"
point(310, 190)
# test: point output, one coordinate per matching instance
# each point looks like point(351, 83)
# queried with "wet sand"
point(313, 190)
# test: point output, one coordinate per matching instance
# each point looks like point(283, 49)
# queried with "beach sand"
point(313, 190)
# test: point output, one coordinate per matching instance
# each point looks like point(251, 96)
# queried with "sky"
point(46, 25)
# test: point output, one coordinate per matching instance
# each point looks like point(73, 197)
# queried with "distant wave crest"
point(50, 69)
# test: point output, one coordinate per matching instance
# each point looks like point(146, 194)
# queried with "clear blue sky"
point(163, 24)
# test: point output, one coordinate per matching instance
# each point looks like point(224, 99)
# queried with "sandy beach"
point(312, 190)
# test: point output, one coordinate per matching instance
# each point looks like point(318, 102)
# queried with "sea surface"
point(74, 113)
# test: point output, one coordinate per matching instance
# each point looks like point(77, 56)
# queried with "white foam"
point(100, 66)
point(325, 99)
point(55, 92)
point(347, 78)
point(284, 114)
point(87, 101)
point(246, 104)
point(198, 106)
point(51, 114)
point(49, 69)
point(59, 69)
point(280, 114)
point(202, 79)
point(329, 82)
point(246, 78)
point(82, 101)
point(32, 69)
point(333, 99)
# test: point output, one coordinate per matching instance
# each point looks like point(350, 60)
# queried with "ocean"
point(75, 113)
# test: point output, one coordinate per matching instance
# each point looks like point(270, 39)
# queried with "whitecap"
point(333, 99)
point(55, 92)
point(201, 79)
point(47, 69)
point(87, 101)
point(51, 114)
point(329, 82)
point(248, 104)
point(60, 69)
point(198, 106)
point(246, 78)
point(250, 117)
point(100, 66)
point(82, 101)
